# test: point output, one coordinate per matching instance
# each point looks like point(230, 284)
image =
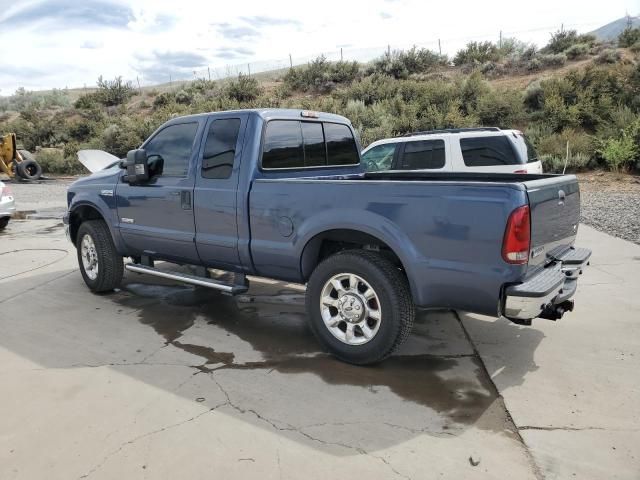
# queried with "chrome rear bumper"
point(546, 294)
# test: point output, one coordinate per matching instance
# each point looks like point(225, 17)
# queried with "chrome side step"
point(232, 289)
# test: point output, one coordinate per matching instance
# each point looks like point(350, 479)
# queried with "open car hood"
point(96, 160)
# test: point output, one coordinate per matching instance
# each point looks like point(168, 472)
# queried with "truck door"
point(216, 191)
point(157, 216)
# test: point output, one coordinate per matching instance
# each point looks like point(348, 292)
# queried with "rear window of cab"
point(301, 144)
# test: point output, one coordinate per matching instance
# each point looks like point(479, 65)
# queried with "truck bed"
point(446, 228)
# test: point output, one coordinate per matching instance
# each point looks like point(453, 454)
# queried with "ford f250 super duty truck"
point(282, 194)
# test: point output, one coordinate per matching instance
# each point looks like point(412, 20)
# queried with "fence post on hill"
point(209, 72)
point(341, 58)
point(439, 47)
point(290, 61)
point(500, 41)
point(249, 69)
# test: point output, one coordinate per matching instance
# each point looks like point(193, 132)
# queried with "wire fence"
point(448, 46)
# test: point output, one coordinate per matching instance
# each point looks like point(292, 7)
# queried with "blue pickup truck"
point(281, 194)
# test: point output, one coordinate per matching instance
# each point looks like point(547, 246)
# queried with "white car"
point(7, 205)
point(455, 150)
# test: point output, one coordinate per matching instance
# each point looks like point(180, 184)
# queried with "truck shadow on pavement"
point(440, 390)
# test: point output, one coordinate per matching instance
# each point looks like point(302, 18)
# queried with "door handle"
point(185, 199)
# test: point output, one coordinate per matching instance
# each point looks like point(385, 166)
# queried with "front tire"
point(100, 264)
point(359, 306)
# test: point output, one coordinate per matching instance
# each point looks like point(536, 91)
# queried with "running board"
point(232, 289)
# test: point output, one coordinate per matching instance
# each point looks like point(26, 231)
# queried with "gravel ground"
point(611, 204)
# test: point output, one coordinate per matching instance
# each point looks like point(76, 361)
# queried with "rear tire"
point(359, 306)
point(100, 264)
point(29, 170)
point(4, 221)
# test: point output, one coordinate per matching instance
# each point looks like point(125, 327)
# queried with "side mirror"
point(137, 166)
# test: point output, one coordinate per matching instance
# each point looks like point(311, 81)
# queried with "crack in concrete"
point(388, 424)
point(300, 431)
point(123, 445)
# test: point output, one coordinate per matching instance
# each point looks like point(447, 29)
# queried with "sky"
point(67, 43)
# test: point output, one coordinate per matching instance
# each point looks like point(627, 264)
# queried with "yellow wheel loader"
point(14, 162)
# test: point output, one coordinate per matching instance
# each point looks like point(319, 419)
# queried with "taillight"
point(5, 191)
point(520, 171)
point(517, 237)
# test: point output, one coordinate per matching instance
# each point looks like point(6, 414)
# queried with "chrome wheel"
point(350, 309)
point(89, 256)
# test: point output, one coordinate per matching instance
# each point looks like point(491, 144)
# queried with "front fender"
point(105, 205)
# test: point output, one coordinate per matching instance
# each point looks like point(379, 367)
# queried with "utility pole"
point(439, 47)
point(209, 72)
point(290, 61)
point(139, 89)
point(562, 27)
point(249, 68)
point(340, 53)
point(389, 50)
point(170, 83)
point(500, 41)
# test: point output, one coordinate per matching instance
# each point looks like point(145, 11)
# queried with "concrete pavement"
point(159, 380)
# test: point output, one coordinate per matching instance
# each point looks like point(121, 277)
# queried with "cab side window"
point(220, 148)
point(172, 148)
point(379, 158)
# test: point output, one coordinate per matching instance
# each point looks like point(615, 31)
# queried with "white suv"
point(455, 150)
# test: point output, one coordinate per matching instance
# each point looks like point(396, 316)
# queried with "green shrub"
point(516, 48)
point(23, 100)
point(628, 37)
point(577, 51)
point(110, 93)
point(556, 143)
point(500, 108)
point(183, 97)
point(401, 64)
point(562, 40)
point(120, 137)
point(635, 48)
point(608, 55)
point(54, 161)
point(618, 152)
point(556, 163)
point(477, 52)
point(162, 100)
point(243, 89)
point(321, 75)
point(552, 59)
point(114, 92)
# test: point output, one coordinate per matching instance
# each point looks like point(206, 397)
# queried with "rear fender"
point(361, 221)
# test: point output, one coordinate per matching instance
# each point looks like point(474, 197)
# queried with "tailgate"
point(555, 214)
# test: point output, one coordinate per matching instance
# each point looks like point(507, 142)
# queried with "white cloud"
point(59, 43)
